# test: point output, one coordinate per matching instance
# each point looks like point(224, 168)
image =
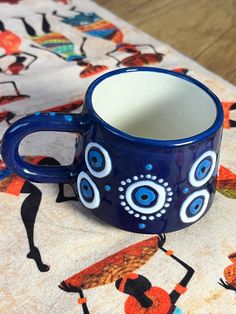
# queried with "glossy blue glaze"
point(34, 123)
point(136, 184)
point(164, 143)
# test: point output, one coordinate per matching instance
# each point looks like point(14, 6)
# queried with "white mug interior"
point(154, 105)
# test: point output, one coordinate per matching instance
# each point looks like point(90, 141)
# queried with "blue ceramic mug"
point(147, 151)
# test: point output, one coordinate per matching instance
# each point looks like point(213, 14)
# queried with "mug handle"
point(50, 121)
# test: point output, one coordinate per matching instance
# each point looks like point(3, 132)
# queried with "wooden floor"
point(204, 30)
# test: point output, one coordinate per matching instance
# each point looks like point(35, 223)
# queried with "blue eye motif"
point(194, 206)
point(97, 160)
point(88, 191)
point(145, 197)
point(202, 169)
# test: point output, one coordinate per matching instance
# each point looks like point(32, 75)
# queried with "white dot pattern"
point(164, 192)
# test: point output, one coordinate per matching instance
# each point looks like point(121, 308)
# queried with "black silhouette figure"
point(30, 205)
point(29, 210)
point(143, 297)
point(139, 287)
point(68, 288)
point(229, 274)
point(231, 121)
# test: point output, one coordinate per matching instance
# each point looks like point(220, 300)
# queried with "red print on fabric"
point(156, 294)
point(63, 1)
point(181, 70)
point(226, 182)
point(230, 274)
point(228, 107)
point(10, 43)
point(136, 55)
point(119, 268)
point(8, 116)
point(67, 107)
point(11, 1)
point(13, 97)
point(105, 271)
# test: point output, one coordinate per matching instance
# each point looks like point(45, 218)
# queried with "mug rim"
point(162, 143)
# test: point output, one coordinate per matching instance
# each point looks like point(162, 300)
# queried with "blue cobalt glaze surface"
point(136, 184)
point(35, 123)
point(159, 200)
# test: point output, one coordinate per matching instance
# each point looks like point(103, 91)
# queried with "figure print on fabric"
point(130, 55)
point(119, 267)
point(12, 184)
point(10, 43)
point(230, 274)
point(9, 93)
point(10, 1)
point(228, 107)
point(8, 116)
point(63, 1)
point(61, 46)
point(92, 24)
point(180, 70)
point(226, 182)
point(71, 106)
point(125, 54)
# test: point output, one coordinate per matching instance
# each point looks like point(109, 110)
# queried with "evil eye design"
point(194, 206)
point(88, 191)
point(202, 169)
point(97, 160)
point(145, 197)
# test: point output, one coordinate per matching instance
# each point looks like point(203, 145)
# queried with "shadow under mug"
point(147, 150)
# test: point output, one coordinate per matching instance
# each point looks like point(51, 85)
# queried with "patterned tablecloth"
point(49, 53)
